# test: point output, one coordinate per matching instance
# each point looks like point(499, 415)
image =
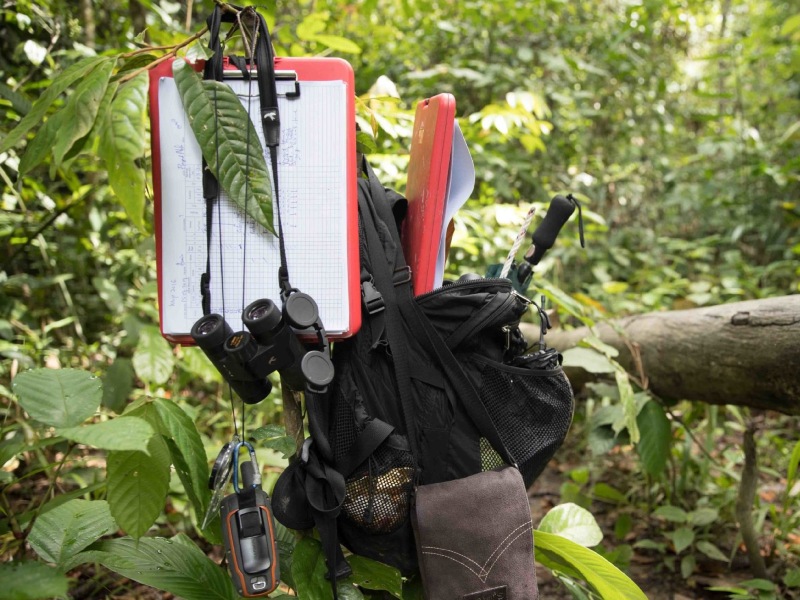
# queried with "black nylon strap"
point(395, 332)
point(367, 441)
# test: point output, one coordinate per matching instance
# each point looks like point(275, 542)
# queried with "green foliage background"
point(677, 123)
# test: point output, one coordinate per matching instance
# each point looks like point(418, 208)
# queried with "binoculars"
point(246, 358)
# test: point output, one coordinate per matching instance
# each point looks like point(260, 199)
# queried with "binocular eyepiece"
point(246, 358)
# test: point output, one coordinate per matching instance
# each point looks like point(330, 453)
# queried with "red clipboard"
point(426, 189)
point(173, 291)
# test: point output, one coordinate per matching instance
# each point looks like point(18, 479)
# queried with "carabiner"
point(251, 450)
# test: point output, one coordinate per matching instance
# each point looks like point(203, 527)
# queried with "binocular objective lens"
point(259, 311)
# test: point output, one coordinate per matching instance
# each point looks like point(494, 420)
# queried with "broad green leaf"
point(629, 408)
point(765, 585)
point(122, 433)
point(42, 143)
point(682, 538)
point(274, 437)
point(671, 513)
point(711, 551)
point(339, 43)
point(169, 565)
point(656, 438)
point(574, 523)
point(19, 103)
point(32, 581)
point(587, 359)
point(124, 140)
point(58, 397)
point(688, 564)
point(187, 451)
point(109, 293)
point(61, 533)
point(792, 578)
point(229, 133)
point(794, 461)
point(53, 91)
point(372, 575)
point(81, 109)
point(118, 384)
point(703, 516)
point(153, 360)
point(308, 571)
point(607, 580)
point(137, 486)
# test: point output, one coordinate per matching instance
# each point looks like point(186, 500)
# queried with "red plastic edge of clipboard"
point(426, 189)
point(307, 69)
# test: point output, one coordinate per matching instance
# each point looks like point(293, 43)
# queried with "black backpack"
point(432, 388)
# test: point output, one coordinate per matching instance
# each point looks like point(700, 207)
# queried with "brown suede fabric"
point(475, 538)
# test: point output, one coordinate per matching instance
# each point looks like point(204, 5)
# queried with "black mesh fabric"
point(379, 492)
point(532, 410)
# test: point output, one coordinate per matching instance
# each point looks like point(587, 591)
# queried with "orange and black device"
point(248, 532)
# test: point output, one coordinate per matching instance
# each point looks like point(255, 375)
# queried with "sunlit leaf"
point(81, 109)
point(122, 433)
point(153, 359)
point(58, 397)
point(606, 579)
point(37, 112)
point(574, 523)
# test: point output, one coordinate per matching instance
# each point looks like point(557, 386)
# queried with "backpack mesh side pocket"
point(531, 408)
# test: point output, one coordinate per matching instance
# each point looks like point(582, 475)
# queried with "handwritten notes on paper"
point(243, 257)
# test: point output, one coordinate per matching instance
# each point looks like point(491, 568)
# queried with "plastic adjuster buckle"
point(402, 275)
point(372, 298)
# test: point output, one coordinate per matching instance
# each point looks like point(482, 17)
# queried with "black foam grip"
point(546, 233)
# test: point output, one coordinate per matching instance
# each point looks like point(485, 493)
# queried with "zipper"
point(472, 283)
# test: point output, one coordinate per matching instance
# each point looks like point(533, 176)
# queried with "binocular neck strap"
point(259, 46)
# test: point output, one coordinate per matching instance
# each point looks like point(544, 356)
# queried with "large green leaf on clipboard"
point(223, 129)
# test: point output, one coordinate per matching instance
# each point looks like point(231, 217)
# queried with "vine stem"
point(171, 54)
point(744, 502)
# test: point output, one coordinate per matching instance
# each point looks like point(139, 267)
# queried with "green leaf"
point(122, 142)
point(656, 437)
point(308, 571)
point(170, 565)
point(61, 533)
point(81, 109)
point(339, 43)
point(607, 580)
point(587, 359)
point(365, 143)
point(58, 397)
point(794, 461)
point(629, 407)
point(137, 486)
point(188, 453)
point(373, 575)
point(108, 293)
point(574, 523)
point(53, 91)
point(118, 384)
point(792, 578)
point(671, 513)
point(32, 581)
point(122, 433)
point(682, 538)
point(228, 133)
point(711, 551)
point(274, 437)
point(153, 360)
point(703, 516)
point(688, 564)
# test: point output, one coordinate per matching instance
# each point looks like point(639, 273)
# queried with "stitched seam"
point(480, 566)
point(519, 535)
point(482, 577)
point(500, 545)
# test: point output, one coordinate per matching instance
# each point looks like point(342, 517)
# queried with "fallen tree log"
point(744, 353)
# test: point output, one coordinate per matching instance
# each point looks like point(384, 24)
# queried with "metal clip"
point(251, 450)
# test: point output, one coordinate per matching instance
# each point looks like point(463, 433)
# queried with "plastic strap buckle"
point(372, 298)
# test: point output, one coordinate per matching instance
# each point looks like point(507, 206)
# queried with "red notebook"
point(318, 201)
point(426, 190)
